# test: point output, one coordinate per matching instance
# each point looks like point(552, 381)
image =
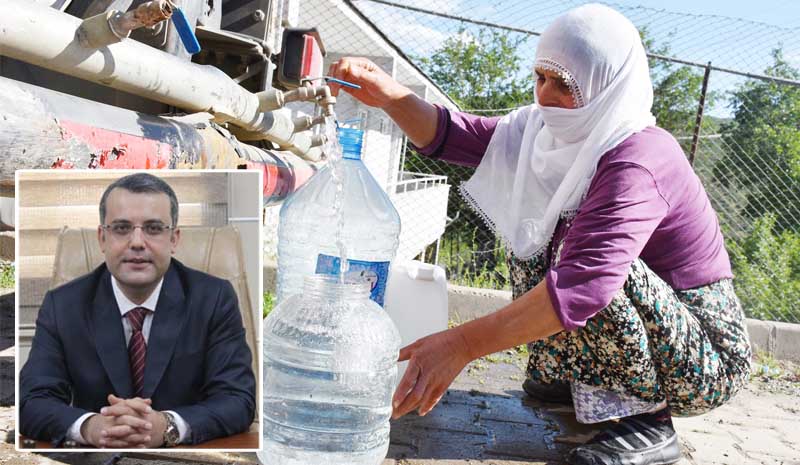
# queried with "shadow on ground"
point(472, 425)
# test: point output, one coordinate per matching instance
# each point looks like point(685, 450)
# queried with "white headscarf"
point(541, 160)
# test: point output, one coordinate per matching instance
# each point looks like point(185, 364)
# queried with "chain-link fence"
point(728, 89)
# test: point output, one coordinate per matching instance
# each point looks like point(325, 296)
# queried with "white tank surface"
point(416, 300)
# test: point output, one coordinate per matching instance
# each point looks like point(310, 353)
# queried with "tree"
point(765, 132)
point(676, 93)
point(762, 168)
point(482, 71)
point(767, 269)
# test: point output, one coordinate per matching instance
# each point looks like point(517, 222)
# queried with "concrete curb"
point(467, 303)
point(780, 340)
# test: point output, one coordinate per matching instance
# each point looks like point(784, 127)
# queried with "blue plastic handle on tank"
point(185, 31)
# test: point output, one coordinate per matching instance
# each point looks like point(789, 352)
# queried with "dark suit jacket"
point(198, 362)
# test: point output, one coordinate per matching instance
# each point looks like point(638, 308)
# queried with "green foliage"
point(765, 365)
point(481, 72)
point(676, 101)
point(762, 171)
point(765, 132)
point(767, 269)
point(676, 93)
point(460, 259)
point(6, 275)
point(269, 303)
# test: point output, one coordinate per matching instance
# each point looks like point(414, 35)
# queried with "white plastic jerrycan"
point(416, 300)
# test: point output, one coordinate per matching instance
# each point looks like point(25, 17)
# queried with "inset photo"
point(138, 309)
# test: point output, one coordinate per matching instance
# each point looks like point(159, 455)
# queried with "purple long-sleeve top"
point(645, 201)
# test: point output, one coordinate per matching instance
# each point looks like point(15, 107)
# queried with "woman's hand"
point(433, 364)
point(417, 118)
point(436, 360)
point(378, 89)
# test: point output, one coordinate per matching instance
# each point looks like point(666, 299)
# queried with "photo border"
point(258, 310)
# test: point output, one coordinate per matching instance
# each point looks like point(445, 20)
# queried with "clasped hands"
point(125, 423)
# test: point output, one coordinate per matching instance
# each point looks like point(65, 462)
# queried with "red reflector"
point(312, 58)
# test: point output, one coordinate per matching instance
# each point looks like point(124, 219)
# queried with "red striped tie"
point(137, 348)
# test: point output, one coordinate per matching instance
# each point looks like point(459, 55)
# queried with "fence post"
point(699, 120)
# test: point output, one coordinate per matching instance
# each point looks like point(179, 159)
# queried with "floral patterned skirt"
point(652, 346)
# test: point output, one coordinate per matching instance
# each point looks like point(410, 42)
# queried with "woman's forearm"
point(436, 360)
point(529, 318)
point(415, 117)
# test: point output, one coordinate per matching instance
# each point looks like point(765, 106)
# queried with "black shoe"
point(558, 392)
point(647, 439)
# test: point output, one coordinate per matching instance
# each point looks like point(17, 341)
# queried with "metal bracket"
point(101, 6)
point(252, 70)
point(232, 140)
point(59, 4)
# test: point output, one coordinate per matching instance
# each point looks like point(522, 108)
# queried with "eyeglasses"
point(123, 229)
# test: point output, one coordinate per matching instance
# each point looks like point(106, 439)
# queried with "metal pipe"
point(318, 140)
point(112, 26)
point(134, 67)
point(278, 127)
point(302, 123)
point(43, 128)
point(699, 121)
point(326, 101)
point(274, 99)
point(145, 15)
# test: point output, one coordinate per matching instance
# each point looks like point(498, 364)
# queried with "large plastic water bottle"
point(330, 366)
point(310, 222)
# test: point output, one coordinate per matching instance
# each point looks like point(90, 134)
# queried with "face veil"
point(541, 160)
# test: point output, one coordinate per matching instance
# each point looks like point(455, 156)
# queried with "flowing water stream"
point(334, 152)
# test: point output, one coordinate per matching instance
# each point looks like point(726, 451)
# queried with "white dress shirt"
point(125, 305)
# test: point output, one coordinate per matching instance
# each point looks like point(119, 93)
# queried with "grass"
point(458, 257)
point(269, 303)
point(6, 275)
point(765, 365)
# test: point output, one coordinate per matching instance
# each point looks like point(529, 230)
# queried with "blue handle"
point(185, 31)
point(342, 83)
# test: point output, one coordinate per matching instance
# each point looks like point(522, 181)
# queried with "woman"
point(618, 268)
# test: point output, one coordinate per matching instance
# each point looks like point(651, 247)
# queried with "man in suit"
point(143, 351)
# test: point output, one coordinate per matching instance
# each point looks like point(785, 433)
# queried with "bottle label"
point(377, 273)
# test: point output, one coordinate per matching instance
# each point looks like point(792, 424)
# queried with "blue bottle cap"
point(350, 140)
